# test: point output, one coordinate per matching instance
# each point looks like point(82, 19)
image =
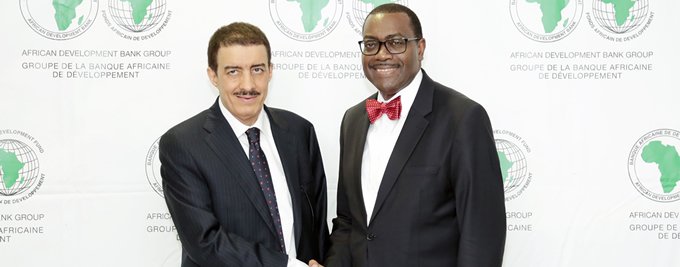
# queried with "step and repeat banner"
point(583, 96)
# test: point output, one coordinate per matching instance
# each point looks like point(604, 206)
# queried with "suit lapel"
point(286, 146)
point(225, 145)
point(355, 142)
point(410, 135)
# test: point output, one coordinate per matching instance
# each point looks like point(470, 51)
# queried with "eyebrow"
point(239, 67)
point(231, 67)
point(386, 37)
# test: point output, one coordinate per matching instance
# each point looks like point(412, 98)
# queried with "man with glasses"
point(420, 182)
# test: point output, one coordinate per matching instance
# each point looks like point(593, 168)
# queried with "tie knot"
point(253, 135)
point(375, 109)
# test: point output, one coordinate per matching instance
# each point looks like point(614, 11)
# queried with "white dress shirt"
point(380, 140)
point(279, 182)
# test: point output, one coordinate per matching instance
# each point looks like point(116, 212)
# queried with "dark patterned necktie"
point(259, 163)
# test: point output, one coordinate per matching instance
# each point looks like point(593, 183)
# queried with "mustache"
point(244, 92)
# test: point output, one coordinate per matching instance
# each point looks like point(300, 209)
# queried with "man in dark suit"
point(244, 183)
point(420, 182)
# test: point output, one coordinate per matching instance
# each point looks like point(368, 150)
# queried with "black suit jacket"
point(440, 202)
point(216, 203)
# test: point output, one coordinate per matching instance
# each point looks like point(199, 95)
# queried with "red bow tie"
point(375, 109)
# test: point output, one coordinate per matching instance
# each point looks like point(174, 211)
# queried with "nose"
point(383, 53)
point(247, 81)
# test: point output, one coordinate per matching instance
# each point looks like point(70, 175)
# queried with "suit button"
point(370, 236)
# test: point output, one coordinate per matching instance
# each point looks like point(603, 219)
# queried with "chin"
point(388, 88)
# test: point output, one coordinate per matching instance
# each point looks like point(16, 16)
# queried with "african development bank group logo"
point(305, 20)
point(512, 155)
point(546, 20)
point(136, 20)
point(620, 20)
point(20, 175)
point(361, 8)
point(59, 19)
point(654, 165)
point(153, 168)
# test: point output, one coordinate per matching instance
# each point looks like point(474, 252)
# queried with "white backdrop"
point(584, 109)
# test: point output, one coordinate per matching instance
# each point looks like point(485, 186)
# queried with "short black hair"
point(397, 8)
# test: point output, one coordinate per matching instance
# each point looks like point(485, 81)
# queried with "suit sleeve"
point(339, 253)
point(479, 192)
point(188, 198)
point(319, 196)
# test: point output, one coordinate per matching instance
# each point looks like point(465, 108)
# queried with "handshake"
point(314, 263)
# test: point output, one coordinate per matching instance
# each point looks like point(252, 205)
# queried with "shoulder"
point(449, 99)
point(357, 110)
point(287, 118)
point(290, 124)
point(189, 128)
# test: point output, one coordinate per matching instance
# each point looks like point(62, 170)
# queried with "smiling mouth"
point(384, 67)
point(245, 93)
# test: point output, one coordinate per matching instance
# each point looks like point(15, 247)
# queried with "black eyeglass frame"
point(384, 43)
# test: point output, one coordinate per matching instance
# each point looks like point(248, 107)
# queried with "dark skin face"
point(391, 72)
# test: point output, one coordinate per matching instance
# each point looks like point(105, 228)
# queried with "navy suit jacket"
point(216, 203)
point(440, 202)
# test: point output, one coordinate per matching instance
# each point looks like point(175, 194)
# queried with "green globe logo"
point(137, 15)
point(620, 16)
point(546, 20)
point(514, 169)
point(59, 19)
point(361, 8)
point(654, 165)
point(306, 20)
point(19, 167)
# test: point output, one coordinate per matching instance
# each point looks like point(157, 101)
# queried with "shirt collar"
point(408, 94)
point(237, 126)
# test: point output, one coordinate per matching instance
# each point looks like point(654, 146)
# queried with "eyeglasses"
point(371, 47)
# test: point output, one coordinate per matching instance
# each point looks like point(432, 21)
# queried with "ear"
point(421, 49)
point(270, 71)
point(212, 76)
